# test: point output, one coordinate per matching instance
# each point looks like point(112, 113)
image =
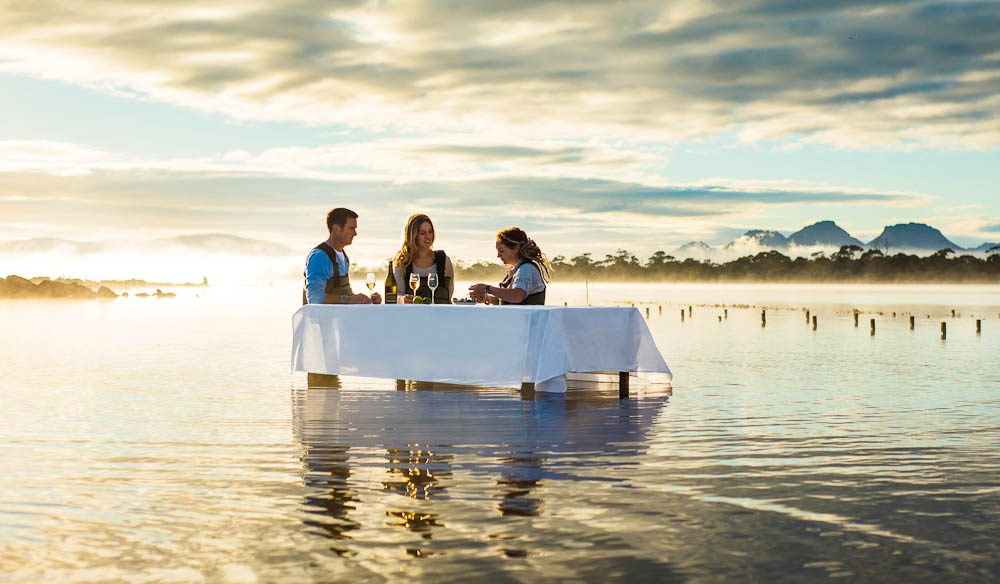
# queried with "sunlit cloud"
point(893, 74)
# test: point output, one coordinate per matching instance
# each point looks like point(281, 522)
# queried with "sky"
point(593, 125)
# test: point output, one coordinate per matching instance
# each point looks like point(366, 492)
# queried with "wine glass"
point(414, 284)
point(370, 282)
point(432, 283)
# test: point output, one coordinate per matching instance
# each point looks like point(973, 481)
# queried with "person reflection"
point(417, 472)
point(326, 467)
point(521, 475)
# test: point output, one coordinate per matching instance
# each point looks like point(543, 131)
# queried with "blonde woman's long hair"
point(405, 254)
point(527, 249)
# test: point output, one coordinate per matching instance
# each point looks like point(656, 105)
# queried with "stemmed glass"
point(370, 282)
point(432, 283)
point(414, 284)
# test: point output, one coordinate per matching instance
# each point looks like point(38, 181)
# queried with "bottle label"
point(390, 298)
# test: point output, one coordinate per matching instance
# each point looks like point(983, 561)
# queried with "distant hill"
point(823, 233)
point(694, 249)
point(984, 247)
point(222, 242)
point(205, 243)
point(759, 238)
point(915, 236)
point(50, 244)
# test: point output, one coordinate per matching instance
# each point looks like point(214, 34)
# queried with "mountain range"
point(821, 236)
point(827, 235)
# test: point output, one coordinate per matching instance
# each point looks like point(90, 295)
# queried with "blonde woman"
point(418, 256)
point(527, 272)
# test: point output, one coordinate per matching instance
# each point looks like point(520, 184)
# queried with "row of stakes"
point(815, 322)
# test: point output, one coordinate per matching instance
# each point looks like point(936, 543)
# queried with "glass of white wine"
point(432, 283)
point(370, 282)
point(414, 284)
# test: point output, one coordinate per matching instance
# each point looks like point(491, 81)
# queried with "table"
point(494, 346)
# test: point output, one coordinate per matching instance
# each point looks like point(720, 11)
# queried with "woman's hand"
point(407, 299)
point(477, 292)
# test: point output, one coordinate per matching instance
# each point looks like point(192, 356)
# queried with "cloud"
point(992, 228)
point(570, 212)
point(898, 74)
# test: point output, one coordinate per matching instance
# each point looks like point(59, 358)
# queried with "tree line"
point(850, 263)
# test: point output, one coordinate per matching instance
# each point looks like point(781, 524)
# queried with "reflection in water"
point(511, 450)
point(327, 470)
point(417, 522)
point(521, 475)
point(416, 472)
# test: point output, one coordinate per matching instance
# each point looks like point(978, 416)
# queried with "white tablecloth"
point(472, 345)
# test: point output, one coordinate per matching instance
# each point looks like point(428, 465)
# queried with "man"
point(327, 266)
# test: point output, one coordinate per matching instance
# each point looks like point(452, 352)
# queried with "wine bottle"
point(390, 286)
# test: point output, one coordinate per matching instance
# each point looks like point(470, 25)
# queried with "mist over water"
point(167, 440)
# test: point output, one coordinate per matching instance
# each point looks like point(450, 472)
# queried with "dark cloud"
point(902, 72)
point(992, 228)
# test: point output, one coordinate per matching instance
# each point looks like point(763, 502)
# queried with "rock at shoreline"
point(21, 288)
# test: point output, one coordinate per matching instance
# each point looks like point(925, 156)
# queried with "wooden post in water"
point(979, 326)
point(913, 322)
point(726, 312)
point(720, 319)
point(855, 319)
point(689, 311)
point(873, 327)
point(763, 318)
point(944, 331)
point(814, 323)
point(807, 316)
point(661, 310)
point(682, 315)
point(647, 313)
point(953, 313)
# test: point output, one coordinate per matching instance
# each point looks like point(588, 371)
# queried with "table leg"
point(322, 380)
point(527, 390)
point(623, 385)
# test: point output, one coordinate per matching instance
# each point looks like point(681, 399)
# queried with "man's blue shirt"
point(319, 269)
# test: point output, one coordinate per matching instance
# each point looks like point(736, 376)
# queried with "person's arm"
point(318, 271)
point(491, 294)
point(511, 295)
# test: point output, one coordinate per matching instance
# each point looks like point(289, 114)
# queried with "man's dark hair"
point(339, 216)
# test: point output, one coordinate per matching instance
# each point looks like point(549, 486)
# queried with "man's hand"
point(359, 299)
point(376, 298)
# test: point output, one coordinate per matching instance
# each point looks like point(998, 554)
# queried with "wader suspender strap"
point(536, 299)
point(333, 280)
point(439, 262)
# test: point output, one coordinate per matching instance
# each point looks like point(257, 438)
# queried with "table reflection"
point(501, 447)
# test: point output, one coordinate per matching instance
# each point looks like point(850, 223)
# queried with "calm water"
point(166, 440)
